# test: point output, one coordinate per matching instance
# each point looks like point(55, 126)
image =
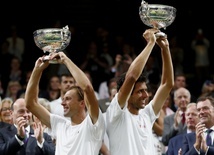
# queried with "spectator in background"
point(175, 143)
point(152, 71)
point(207, 89)
point(20, 138)
point(6, 112)
point(24, 81)
point(15, 70)
point(66, 82)
point(2, 92)
point(166, 107)
point(5, 63)
point(95, 64)
point(13, 88)
point(174, 124)
point(105, 87)
point(17, 43)
point(53, 89)
point(195, 143)
point(88, 74)
point(177, 55)
point(200, 45)
point(180, 81)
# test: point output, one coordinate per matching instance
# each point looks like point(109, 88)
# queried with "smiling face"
point(5, 111)
point(20, 110)
point(138, 98)
point(73, 102)
point(206, 112)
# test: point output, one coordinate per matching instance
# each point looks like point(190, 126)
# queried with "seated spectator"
point(5, 112)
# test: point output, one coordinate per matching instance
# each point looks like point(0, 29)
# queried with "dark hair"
point(210, 98)
point(121, 79)
point(65, 75)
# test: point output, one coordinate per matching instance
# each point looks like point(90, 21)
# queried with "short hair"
point(121, 79)
point(65, 75)
point(79, 92)
point(191, 104)
point(203, 98)
point(176, 91)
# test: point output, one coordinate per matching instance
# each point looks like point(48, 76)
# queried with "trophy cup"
point(157, 16)
point(52, 40)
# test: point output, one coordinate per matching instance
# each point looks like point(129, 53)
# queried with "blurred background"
point(120, 18)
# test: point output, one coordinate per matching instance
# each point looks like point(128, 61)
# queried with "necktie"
point(183, 118)
point(209, 139)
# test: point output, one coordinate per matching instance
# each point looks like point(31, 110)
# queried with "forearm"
point(139, 62)
point(158, 130)
point(167, 69)
point(77, 73)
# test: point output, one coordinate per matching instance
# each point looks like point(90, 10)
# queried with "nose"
point(145, 93)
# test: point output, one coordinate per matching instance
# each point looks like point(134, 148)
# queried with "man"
point(84, 133)
point(66, 82)
point(195, 143)
point(174, 124)
point(179, 82)
point(20, 138)
point(129, 119)
point(192, 119)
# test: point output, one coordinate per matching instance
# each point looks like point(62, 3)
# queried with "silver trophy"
point(157, 16)
point(52, 40)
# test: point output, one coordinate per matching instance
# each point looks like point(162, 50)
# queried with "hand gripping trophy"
point(52, 40)
point(157, 15)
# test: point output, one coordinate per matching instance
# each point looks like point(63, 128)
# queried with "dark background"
point(119, 16)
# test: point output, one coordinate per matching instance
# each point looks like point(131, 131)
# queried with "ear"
point(82, 103)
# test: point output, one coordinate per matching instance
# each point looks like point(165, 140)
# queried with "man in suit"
point(20, 138)
point(173, 124)
point(195, 143)
point(192, 119)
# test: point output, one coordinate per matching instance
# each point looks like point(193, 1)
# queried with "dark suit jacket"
point(169, 130)
point(3, 124)
point(175, 144)
point(10, 146)
point(188, 148)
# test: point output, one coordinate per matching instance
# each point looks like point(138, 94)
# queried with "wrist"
point(19, 137)
point(197, 146)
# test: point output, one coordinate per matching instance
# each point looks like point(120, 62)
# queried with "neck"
point(132, 110)
point(78, 119)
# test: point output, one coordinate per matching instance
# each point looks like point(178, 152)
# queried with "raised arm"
point(83, 82)
point(32, 91)
point(136, 67)
point(167, 79)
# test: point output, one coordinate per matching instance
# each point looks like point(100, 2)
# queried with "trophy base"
point(47, 58)
point(160, 34)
